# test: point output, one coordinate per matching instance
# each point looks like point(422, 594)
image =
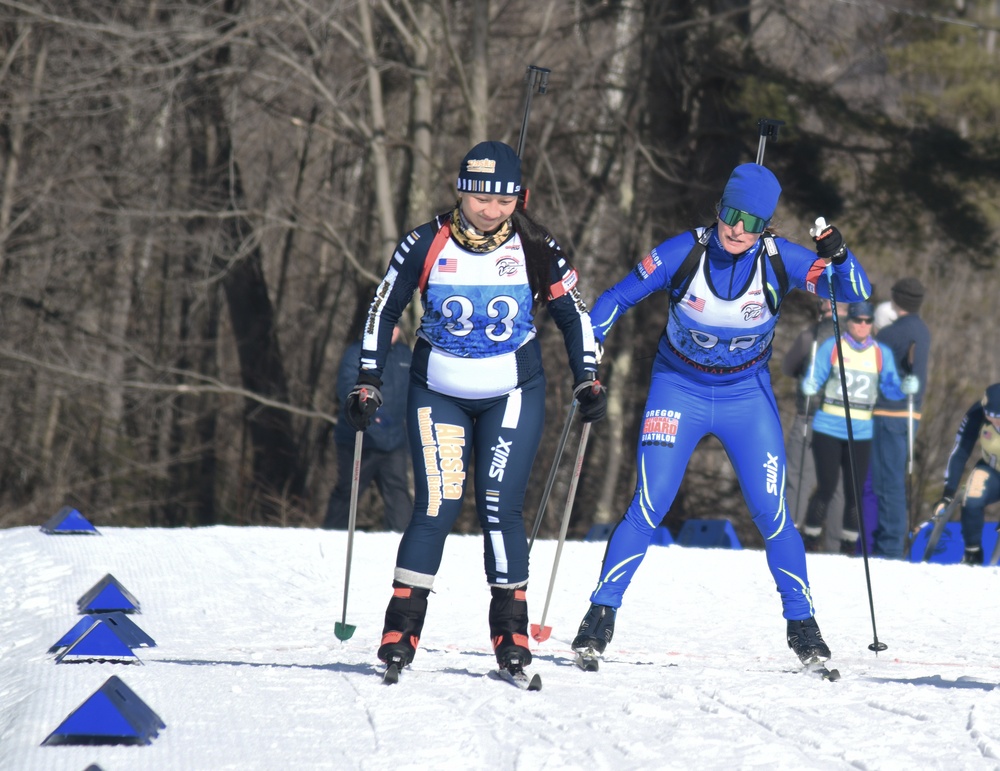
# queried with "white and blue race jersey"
point(721, 335)
point(477, 337)
point(478, 305)
point(721, 329)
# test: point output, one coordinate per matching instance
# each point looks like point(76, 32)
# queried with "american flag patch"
point(447, 265)
point(698, 303)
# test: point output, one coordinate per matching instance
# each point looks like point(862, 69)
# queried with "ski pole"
point(539, 631)
point(940, 519)
point(805, 437)
point(544, 502)
point(909, 408)
point(875, 646)
point(342, 629)
point(768, 127)
point(534, 77)
point(538, 78)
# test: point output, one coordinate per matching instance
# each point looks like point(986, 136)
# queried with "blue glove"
point(910, 385)
point(809, 386)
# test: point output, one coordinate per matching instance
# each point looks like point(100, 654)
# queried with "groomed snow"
point(248, 674)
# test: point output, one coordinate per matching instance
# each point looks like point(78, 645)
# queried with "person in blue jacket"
point(477, 388)
point(869, 369)
point(981, 423)
point(724, 284)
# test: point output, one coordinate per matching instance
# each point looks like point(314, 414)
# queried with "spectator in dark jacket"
point(894, 427)
point(385, 454)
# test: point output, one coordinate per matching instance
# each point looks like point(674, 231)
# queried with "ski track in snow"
point(248, 674)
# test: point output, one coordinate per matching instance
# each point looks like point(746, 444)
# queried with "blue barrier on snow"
point(602, 532)
point(710, 533)
point(951, 547)
point(599, 532)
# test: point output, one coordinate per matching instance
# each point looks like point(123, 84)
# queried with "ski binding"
point(588, 660)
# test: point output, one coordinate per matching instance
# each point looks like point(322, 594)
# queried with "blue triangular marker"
point(108, 595)
point(113, 715)
point(68, 521)
point(73, 634)
point(98, 643)
point(126, 629)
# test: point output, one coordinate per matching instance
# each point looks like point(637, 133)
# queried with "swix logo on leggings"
point(771, 468)
point(499, 462)
point(660, 427)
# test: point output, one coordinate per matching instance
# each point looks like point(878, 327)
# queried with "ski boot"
point(593, 636)
point(849, 542)
point(509, 628)
point(404, 620)
point(806, 640)
point(973, 556)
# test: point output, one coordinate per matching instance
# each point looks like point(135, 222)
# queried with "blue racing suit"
point(710, 376)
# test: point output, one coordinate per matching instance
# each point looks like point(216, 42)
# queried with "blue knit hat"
point(490, 167)
point(753, 189)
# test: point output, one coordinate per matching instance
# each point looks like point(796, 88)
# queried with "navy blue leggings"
point(446, 433)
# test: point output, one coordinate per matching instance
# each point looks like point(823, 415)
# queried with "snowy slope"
point(248, 674)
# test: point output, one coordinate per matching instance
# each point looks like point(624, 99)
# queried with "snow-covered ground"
point(247, 672)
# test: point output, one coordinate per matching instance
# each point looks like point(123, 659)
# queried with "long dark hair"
point(538, 248)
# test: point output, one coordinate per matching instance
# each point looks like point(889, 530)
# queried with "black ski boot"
point(404, 620)
point(973, 556)
point(509, 628)
point(806, 640)
point(596, 629)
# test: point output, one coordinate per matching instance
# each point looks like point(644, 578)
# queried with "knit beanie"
point(908, 294)
point(490, 167)
point(753, 189)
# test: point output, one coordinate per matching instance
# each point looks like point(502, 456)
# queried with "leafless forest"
point(198, 198)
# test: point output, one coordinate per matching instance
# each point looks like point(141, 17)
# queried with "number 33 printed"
point(460, 310)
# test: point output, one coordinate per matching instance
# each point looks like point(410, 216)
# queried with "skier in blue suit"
point(710, 376)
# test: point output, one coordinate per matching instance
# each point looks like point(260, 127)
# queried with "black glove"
point(592, 398)
point(942, 504)
point(830, 246)
point(363, 401)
